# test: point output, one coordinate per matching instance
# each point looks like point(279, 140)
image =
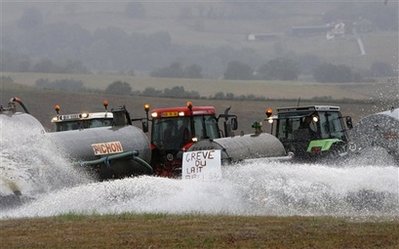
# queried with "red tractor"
point(175, 129)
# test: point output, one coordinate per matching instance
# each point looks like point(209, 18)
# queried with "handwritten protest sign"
point(204, 165)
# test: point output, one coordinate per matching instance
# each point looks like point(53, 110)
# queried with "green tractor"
point(311, 132)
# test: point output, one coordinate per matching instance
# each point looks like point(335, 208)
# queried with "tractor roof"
point(308, 108)
point(183, 111)
point(82, 116)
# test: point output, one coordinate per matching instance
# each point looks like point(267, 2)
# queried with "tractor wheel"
point(336, 151)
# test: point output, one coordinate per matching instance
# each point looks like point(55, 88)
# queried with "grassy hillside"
point(196, 231)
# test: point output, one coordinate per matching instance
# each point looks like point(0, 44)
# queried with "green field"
point(197, 231)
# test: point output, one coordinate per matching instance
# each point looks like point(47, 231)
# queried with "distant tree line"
point(177, 91)
point(328, 72)
point(123, 88)
point(69, 85)
point(284, 69)
point(287, 69)
point(16, 63)
point(119, 88)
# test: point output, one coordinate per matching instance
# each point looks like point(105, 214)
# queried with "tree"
point(328, 72)
point(279, 69)
point(178, 91)
point(151, 91)
point(307, 63)
point(219, 95)
point(174, 70)
point(46, 66)
point(70, 85)
point(238, 71)
point(119, 88)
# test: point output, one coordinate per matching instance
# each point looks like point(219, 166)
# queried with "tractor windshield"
point(331, 125)
point(173, 133)
point(301, 126)
point(206, 127)
point(298, 127)
point(83, 124)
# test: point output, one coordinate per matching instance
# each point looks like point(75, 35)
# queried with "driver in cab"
point(307, 129)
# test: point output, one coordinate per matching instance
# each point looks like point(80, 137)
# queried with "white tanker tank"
point(238, 148)
point(30, 127)
point(377, 130)
point(9, 116)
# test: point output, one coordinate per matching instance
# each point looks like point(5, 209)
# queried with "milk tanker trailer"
point(107, 143)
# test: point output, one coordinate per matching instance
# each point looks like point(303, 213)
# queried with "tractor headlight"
point(84, 115)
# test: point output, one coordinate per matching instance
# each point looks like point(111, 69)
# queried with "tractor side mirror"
point(234, 123)
point(348, 121)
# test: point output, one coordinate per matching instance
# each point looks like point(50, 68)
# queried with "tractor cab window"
point(331, 125)
point(100, 122)
point(206, 127)
point(83, 124)
point(67, 126)
point(171, 133)
point(298, 127)
point(285, 128)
